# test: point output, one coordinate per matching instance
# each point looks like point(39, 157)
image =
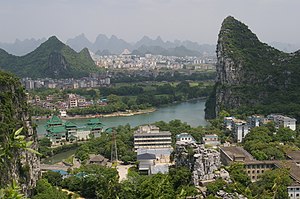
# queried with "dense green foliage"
point(51, 59)
point(271, 184)
point(264, 144)
point(46, 150)
point(135, 97)
point(102, 145)
point(260, 79)
point(101, 182)
point(169, 76)
point(44, 190)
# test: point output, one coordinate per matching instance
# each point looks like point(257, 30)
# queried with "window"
point(297, 195)
point(257, 171)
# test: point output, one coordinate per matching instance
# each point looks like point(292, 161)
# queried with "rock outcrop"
point(23, 166)
point(251, 73)
point(203, 162)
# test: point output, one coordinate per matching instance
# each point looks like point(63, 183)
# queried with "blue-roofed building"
point(63, 173)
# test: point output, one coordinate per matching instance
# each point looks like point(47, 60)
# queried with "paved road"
point(123, 171)
point(54, 167)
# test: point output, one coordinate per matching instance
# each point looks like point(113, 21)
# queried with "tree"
point(54, 178)
point(273, 184)
point(214, 187)
point(44, 190)
point(45, 142)
point(157, 186)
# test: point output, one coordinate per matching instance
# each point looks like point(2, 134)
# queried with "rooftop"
point(97, 158)
point(70, 124)
point(146, 156)
point(235, 151)
point(94, 121)
point(294, 155)
point(54, 120)
point(293, 166)
point(57, 129)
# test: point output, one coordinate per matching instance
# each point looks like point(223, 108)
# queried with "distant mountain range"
point(104, 45)
point(52, 59)
point(20, 48)
point(113, 45)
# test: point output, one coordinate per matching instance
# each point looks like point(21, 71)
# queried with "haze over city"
point(196, 20)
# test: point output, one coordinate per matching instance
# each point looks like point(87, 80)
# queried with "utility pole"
point(114, 150)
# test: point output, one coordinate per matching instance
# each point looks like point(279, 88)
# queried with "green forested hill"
point(253, 77)
point(51, 59)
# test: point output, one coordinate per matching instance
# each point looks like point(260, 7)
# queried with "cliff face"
point(251, 73)
point(24, 166)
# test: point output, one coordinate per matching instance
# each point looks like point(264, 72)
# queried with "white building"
point(240, 129)
point(83, 134)
point(283, 121)
point(294, 191)
point(149, 137)
point(73, 101)
point(211, 139)
point(185, 137)
point(63, 113)
point(228, 122)
point(255, 120)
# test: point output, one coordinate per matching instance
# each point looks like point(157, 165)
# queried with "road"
point(45, 167)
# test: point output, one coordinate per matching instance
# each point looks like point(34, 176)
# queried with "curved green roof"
point(69, 124)
point(57, 129)
point(94, 121)
point(54, 120)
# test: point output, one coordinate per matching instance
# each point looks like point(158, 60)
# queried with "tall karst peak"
point(252, 74)
point(51, 59)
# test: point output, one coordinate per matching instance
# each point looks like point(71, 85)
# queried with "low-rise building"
point(146, 161)
point(59, 131)
point(294, 191)
point(211, 140)
point(98, 159)
point(228, 122)
point(254, 168)
point(283, 121)
point(185, 137)
point(255, 120)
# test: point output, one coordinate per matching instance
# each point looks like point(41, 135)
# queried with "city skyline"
point(195, 20)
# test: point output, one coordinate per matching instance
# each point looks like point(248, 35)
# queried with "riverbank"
point(115, 114)
point(191, 112)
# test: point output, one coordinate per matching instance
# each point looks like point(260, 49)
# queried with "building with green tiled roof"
point(56, 134)
point(95, 126)
point(59, 131)
point(54, 121)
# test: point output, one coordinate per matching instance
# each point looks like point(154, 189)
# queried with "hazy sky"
point(196, 20)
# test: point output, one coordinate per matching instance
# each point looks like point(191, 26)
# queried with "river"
point(191, 112)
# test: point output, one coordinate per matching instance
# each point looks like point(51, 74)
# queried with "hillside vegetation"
point(253, 77)
point(51, 59)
